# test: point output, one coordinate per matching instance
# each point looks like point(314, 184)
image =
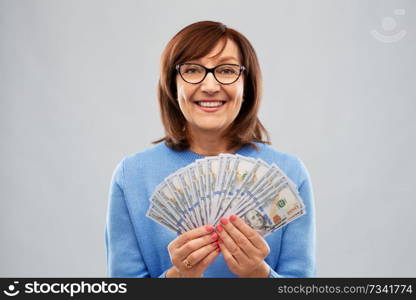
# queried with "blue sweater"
point(137, 246)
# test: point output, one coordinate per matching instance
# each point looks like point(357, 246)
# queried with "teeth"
point(210, 104)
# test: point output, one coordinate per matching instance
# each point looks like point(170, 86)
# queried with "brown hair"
point(196, 41)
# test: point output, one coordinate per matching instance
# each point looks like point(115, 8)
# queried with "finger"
point(238, 237)
point(203, 264)
point(228, 257)
point(197, 256)
point(231, 246)
point(192, 234)
point(195, 244)
point(253, 236)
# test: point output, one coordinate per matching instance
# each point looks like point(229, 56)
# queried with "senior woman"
point(209, 95)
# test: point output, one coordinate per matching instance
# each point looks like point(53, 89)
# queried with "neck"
point(208, 143)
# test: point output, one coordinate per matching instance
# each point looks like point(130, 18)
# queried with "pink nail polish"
point(233, 218)
point(209, 228)
point(215, 244)
point(218, 250)
point(224, 221)
point(219, 228)
point(214, 236)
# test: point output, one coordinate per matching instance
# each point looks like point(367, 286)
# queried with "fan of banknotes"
point(216, 186)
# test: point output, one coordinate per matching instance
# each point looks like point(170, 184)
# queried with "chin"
point(210, 126)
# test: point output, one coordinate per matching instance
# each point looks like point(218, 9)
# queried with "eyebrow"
point(220, 60)
point(227, 58)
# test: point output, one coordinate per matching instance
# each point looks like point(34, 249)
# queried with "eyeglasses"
point(196, 73)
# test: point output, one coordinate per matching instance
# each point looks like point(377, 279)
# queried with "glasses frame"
point(210, 70)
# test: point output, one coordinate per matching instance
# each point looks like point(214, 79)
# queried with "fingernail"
point(218, 250)
point(215, 244)
point(219, 228)
point(209, 228)
point(233, 218)
point(224, 221)
point(220, 241)
point(214, 236)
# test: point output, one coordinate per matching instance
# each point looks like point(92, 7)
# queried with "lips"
point(210, 100)
point(207, 108)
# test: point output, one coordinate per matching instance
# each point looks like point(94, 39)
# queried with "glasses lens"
point(227, 73)
point(192, 73)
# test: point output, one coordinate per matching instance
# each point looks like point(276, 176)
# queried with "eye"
point(190, 70)
point(227, 71)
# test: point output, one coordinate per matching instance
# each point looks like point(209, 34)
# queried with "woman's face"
point(210, 89)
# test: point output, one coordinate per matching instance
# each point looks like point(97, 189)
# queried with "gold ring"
point(187, 264)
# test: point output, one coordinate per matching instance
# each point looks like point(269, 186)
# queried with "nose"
point(210, 84)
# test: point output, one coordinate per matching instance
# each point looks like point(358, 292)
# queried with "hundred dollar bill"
point(165, 194)
point(231, 180)
point(165, 209)
point(152, 214)
point(276, 211)
point(185, 185)
point(201, 175)
point(193, 182)
point(213, 187)
point(218, 183)
point(212, 166)
point(271, 178)
point(267, 190)
point(174, 183)
point(245, 174)
point(227, 173)
point(261, 176)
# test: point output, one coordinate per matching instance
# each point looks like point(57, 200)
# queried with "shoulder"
point(136, 161)
point(291, 164)
point(151, 153)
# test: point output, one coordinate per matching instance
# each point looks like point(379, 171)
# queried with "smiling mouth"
point(210, 103)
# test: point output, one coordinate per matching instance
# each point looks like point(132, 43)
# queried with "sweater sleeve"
point(124, 258)
point(297, 256)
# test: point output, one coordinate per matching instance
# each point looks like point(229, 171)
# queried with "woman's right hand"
point(193, 251)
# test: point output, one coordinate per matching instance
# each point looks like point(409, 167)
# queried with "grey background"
point(78, 93)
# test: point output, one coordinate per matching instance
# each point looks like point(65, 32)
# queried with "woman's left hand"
point(243, 248)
